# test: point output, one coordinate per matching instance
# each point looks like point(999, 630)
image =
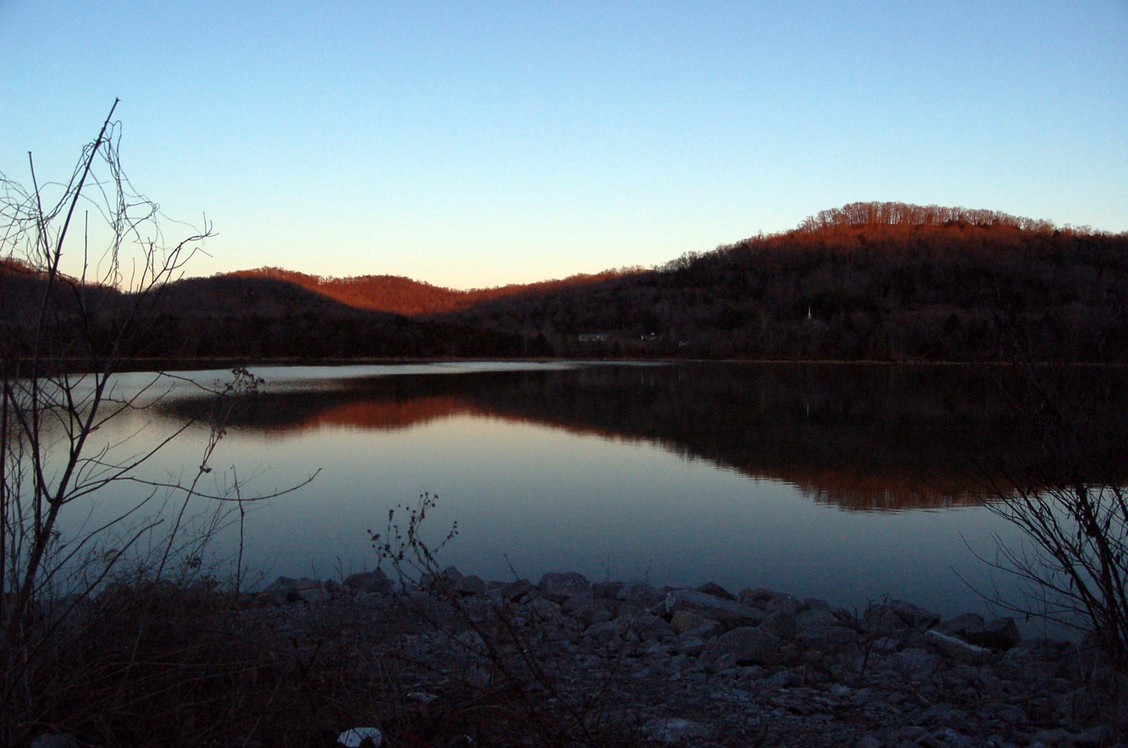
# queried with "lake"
point(844, 482)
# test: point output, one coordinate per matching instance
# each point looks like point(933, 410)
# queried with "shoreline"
point(456, 661)
point(708, 667)
point(204, 364)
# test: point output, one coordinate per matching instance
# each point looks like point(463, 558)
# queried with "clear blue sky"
point(474, 144)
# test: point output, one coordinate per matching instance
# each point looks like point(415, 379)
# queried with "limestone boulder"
point(712, 588)
point(770, 601)
point(749, 645)
point(292, 590)
point(470, 585)
point(999, 634)
point(518, 590)
point(727, 612)
point(369, 581)
point(958, 649)
point(828, 640)
point(560, 587)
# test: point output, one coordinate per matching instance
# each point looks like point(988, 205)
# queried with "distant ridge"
point(877, 281)
point(399, 295)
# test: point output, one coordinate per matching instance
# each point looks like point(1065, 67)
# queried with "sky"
point(476, 144)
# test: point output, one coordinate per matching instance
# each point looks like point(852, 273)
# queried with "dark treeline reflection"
point(858, 436)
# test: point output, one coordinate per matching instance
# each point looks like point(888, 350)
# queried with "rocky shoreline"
point(569, 661)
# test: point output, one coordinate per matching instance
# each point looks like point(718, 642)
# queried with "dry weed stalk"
point(523, 687)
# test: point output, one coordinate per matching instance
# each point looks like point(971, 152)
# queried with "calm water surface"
point(840, 482)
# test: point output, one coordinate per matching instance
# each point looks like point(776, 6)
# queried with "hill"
point(398, 295)
point(883, 281)
point(867, 281)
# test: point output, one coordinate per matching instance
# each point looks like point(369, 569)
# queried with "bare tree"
point(63, 338)
point(1068, 499)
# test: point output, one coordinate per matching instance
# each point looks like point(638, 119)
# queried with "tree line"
point(906, 214)
point(868, 281)
point(923, 288)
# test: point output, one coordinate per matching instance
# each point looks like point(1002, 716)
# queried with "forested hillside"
point(881, 281)
point(389, 293)
point(868, 281)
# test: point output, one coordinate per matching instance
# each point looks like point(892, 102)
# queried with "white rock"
point(957, 648)
point(361, 736)
point(711, 606)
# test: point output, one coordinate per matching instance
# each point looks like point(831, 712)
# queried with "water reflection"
point(680, 474)
point(870, 438)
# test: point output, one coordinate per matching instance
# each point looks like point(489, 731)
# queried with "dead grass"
point(149, 665)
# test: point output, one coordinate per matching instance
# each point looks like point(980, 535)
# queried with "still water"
point(841, 482)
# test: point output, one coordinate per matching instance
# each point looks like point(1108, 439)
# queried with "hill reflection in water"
point(860, 437)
